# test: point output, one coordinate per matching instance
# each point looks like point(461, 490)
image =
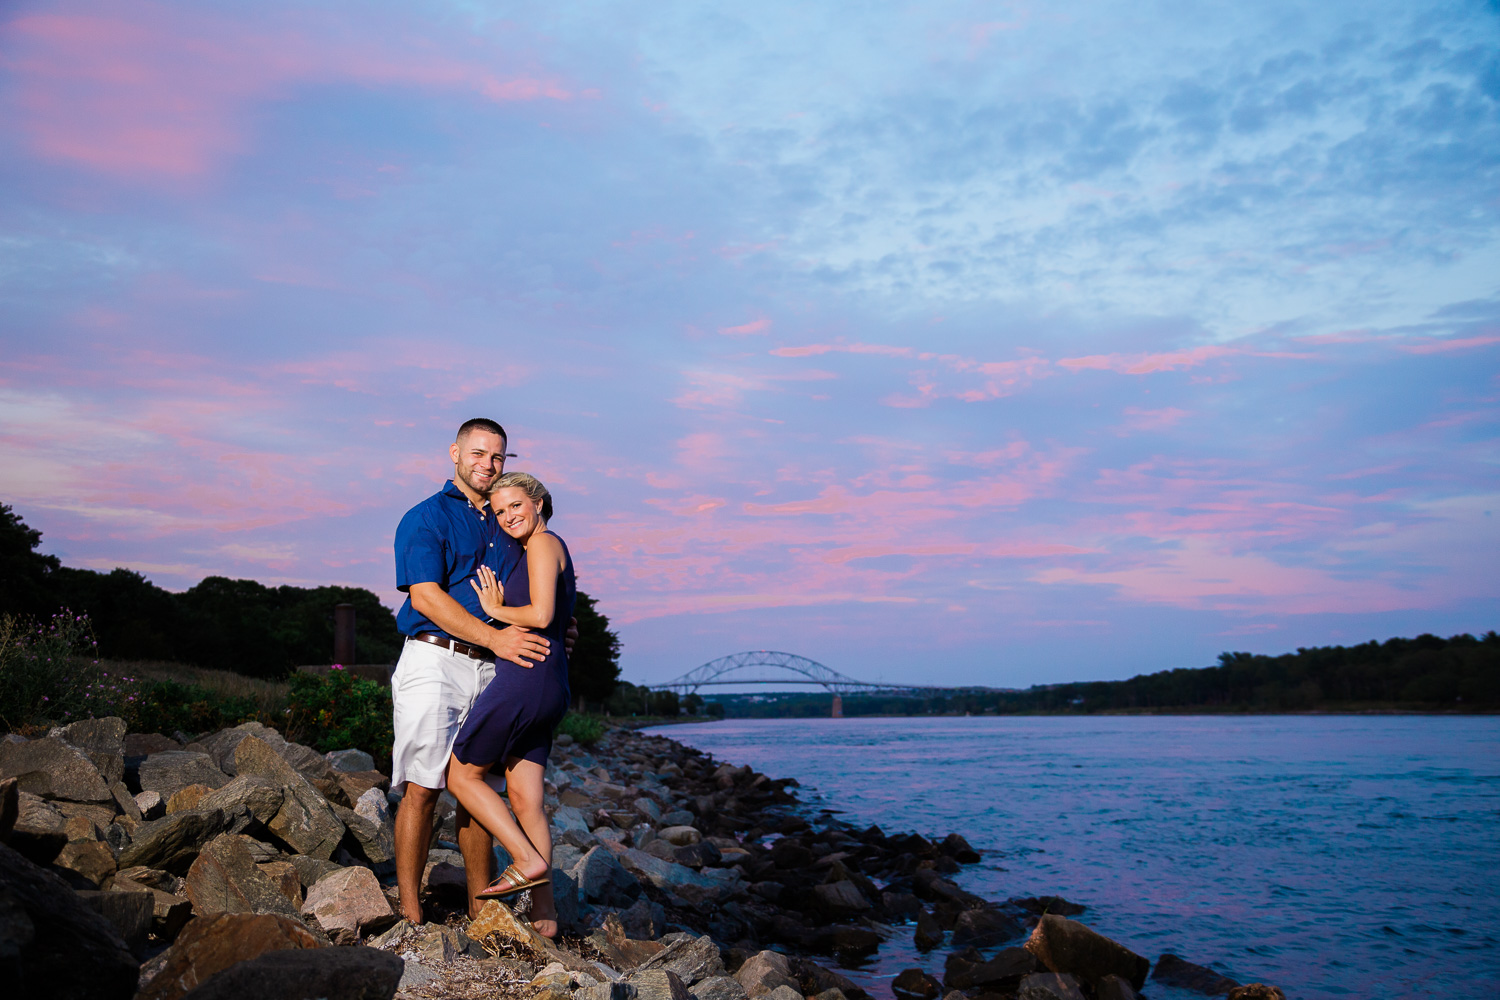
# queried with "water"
point(1333, 856)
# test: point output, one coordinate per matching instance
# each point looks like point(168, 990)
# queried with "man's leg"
point(477, 846)
point(413, 840)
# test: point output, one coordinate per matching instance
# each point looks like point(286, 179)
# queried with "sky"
point(951, 343)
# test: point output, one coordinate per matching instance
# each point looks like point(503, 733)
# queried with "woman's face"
point(519, 514)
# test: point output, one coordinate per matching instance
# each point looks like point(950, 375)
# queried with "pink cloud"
point(1137, 419)
point(1455, 344)
point(754, 326)
point(1145, 364)
point(139, 89)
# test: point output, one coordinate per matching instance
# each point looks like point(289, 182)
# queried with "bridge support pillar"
point(838, 706)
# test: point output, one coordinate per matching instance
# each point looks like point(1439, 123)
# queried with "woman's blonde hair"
point(533, 488)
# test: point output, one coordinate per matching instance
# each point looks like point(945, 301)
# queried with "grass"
point(269, 697)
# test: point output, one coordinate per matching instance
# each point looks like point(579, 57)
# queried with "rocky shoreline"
point(237, 864)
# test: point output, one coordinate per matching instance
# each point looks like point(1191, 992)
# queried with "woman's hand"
point(491, 593)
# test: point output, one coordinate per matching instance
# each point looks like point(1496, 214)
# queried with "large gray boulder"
point(38, 831)
point(329, 973)
point(305, 820)
point(258, 798)
point(681, 885)
point(1178, 972)
point(225, 879)
point(692, 959)
point(54, 769)
point(170, 772)
point(52, 944)
point(101, 740)
point(1066, 946)
point(603, 880)
point(173, 842)
point(347, 903)
point(764, 972)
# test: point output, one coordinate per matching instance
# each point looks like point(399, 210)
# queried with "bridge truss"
point(726, 671)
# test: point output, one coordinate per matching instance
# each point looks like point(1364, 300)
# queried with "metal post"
point(343, 634)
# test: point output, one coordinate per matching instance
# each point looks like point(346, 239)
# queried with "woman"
point(510, 726)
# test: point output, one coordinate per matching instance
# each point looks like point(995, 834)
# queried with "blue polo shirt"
point(444, 540)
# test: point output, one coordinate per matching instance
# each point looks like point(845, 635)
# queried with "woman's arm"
point(544, 558)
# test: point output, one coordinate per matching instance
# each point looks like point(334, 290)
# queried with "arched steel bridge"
point(717, 673)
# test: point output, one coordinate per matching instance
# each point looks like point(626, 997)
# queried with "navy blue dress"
point(515, 715)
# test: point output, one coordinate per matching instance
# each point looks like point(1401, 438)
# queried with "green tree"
point(664, 703)
point(692, 704)
point(25, 574)
point(594, 667)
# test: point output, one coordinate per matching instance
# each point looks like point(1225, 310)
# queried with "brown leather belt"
point(462, 648)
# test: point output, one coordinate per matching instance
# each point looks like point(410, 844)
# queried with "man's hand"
point(518, 645)
point(571, 636)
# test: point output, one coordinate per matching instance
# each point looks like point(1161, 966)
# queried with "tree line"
point(1427, 673)
point(238, 625)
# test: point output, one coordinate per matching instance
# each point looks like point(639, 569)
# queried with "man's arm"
point(518, 645)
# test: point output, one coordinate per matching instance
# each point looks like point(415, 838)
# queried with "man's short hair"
point(481, 424)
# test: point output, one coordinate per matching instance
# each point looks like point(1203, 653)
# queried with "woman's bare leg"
point(466, 782)
point(523, 781)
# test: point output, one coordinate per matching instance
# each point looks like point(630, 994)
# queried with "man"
point(449, 654)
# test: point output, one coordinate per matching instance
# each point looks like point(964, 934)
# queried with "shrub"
point(48, 673)
point(337, 710)
point(586, 729)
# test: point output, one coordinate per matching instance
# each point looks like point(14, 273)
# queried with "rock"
point(958, 849)
point(854, 939)
point(58, 946)
point(54, 769)
point(681, 885)
point(788, 853)
point(170, 772)
point(914, 984)
point(1173, 971)
point(1256, 991)
point(10, 806)
point(376, 841)
point(719, 988)
point(38, 832)
point(764, 972)
point(784, 993)
point(349, 760)
point(327, 973)
point(1066, 946)
point(89, 860)
point(1049, 904)
point(967, 970)
point(814, 979)
point(211, 944)
point(692, 959)
point(126, 801)
point(173, 842)
point(602, 879)
point(356, 783)
point(840, 898)
point(931, 886)
point(928, 934)
point(257, 796)
point(131, 913)
point(146, 744)
point(1115, 988)
point(225, 879)
point(985, 928)
point(373, 806)
point(681, 836)
point(283, 875)
point(1049, 986)
point(833, 994)
point(497, 924)
point(310, 870)
point(677, 817)
point(569, 826)
point(348, 902)
point(150, 805)
point(101, 740)
point(169, 912)
point(659, 984)
point(186, 798)
point(305, 821)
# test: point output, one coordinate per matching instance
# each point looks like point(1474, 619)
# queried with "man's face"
point(478, 459)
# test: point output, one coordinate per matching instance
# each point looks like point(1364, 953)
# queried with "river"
point(1333, 856)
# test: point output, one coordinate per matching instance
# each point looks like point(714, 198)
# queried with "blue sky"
point(990, 343)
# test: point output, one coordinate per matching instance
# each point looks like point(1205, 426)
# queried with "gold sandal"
point(517, 883)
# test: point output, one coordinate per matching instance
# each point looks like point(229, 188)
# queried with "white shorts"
point(432, 691)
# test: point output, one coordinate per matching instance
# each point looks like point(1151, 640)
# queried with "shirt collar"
point(450, 488)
